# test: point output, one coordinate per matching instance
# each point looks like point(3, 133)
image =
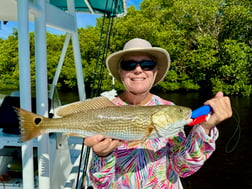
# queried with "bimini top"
point(112, 8)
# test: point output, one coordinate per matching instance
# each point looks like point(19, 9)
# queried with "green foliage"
point(234, 69)
point(8, 63)
point(174, 82)
point(209, 42)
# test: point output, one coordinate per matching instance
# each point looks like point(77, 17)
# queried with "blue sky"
point(82, 21)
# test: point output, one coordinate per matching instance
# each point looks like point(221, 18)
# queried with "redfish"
point(100, 116)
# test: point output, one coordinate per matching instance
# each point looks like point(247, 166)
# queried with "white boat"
point(58, 157)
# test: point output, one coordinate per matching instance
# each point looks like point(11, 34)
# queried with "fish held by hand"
point(100, 116)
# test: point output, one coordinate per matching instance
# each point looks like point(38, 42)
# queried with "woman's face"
point(138, 81)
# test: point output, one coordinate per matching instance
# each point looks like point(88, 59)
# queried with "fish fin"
point(75, 135)
point(135, 143)
point(83, 106)
point(148, 132)
point(29, 124)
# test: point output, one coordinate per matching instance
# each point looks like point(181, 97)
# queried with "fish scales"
point(116, 122)
point(101, 116)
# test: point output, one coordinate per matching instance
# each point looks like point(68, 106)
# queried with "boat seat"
point(8, 117)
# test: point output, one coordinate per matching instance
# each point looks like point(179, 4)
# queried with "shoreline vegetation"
point(210, 45)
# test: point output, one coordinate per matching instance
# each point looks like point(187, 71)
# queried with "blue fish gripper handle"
point(203, 110)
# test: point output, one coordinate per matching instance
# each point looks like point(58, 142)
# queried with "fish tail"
point(29, 124)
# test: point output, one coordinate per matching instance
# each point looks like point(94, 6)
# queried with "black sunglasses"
point(145, 65)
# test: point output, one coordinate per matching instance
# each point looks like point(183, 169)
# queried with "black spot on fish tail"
point(37, 120)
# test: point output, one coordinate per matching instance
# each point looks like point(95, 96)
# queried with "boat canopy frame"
point(60, 15)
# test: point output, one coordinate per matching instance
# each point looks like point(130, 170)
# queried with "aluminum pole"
point(25, 87)
point(77, 56)
point(42, 94)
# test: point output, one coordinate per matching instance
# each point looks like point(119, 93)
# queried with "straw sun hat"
point(134, 46)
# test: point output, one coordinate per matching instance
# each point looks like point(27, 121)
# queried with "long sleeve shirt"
point(155, 163)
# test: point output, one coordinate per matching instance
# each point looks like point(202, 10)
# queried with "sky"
point(83, 20)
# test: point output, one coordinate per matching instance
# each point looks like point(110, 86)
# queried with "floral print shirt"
point(156, 163)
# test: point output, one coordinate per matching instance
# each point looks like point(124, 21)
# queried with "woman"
point(156, 163)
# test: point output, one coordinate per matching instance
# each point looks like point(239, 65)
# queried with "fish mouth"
point(189, 119)
point(189, 115)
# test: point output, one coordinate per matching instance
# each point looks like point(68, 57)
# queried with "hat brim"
point(160, 55)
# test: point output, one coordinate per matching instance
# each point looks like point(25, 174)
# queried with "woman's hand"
point(221, 110)
point(102, 146)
